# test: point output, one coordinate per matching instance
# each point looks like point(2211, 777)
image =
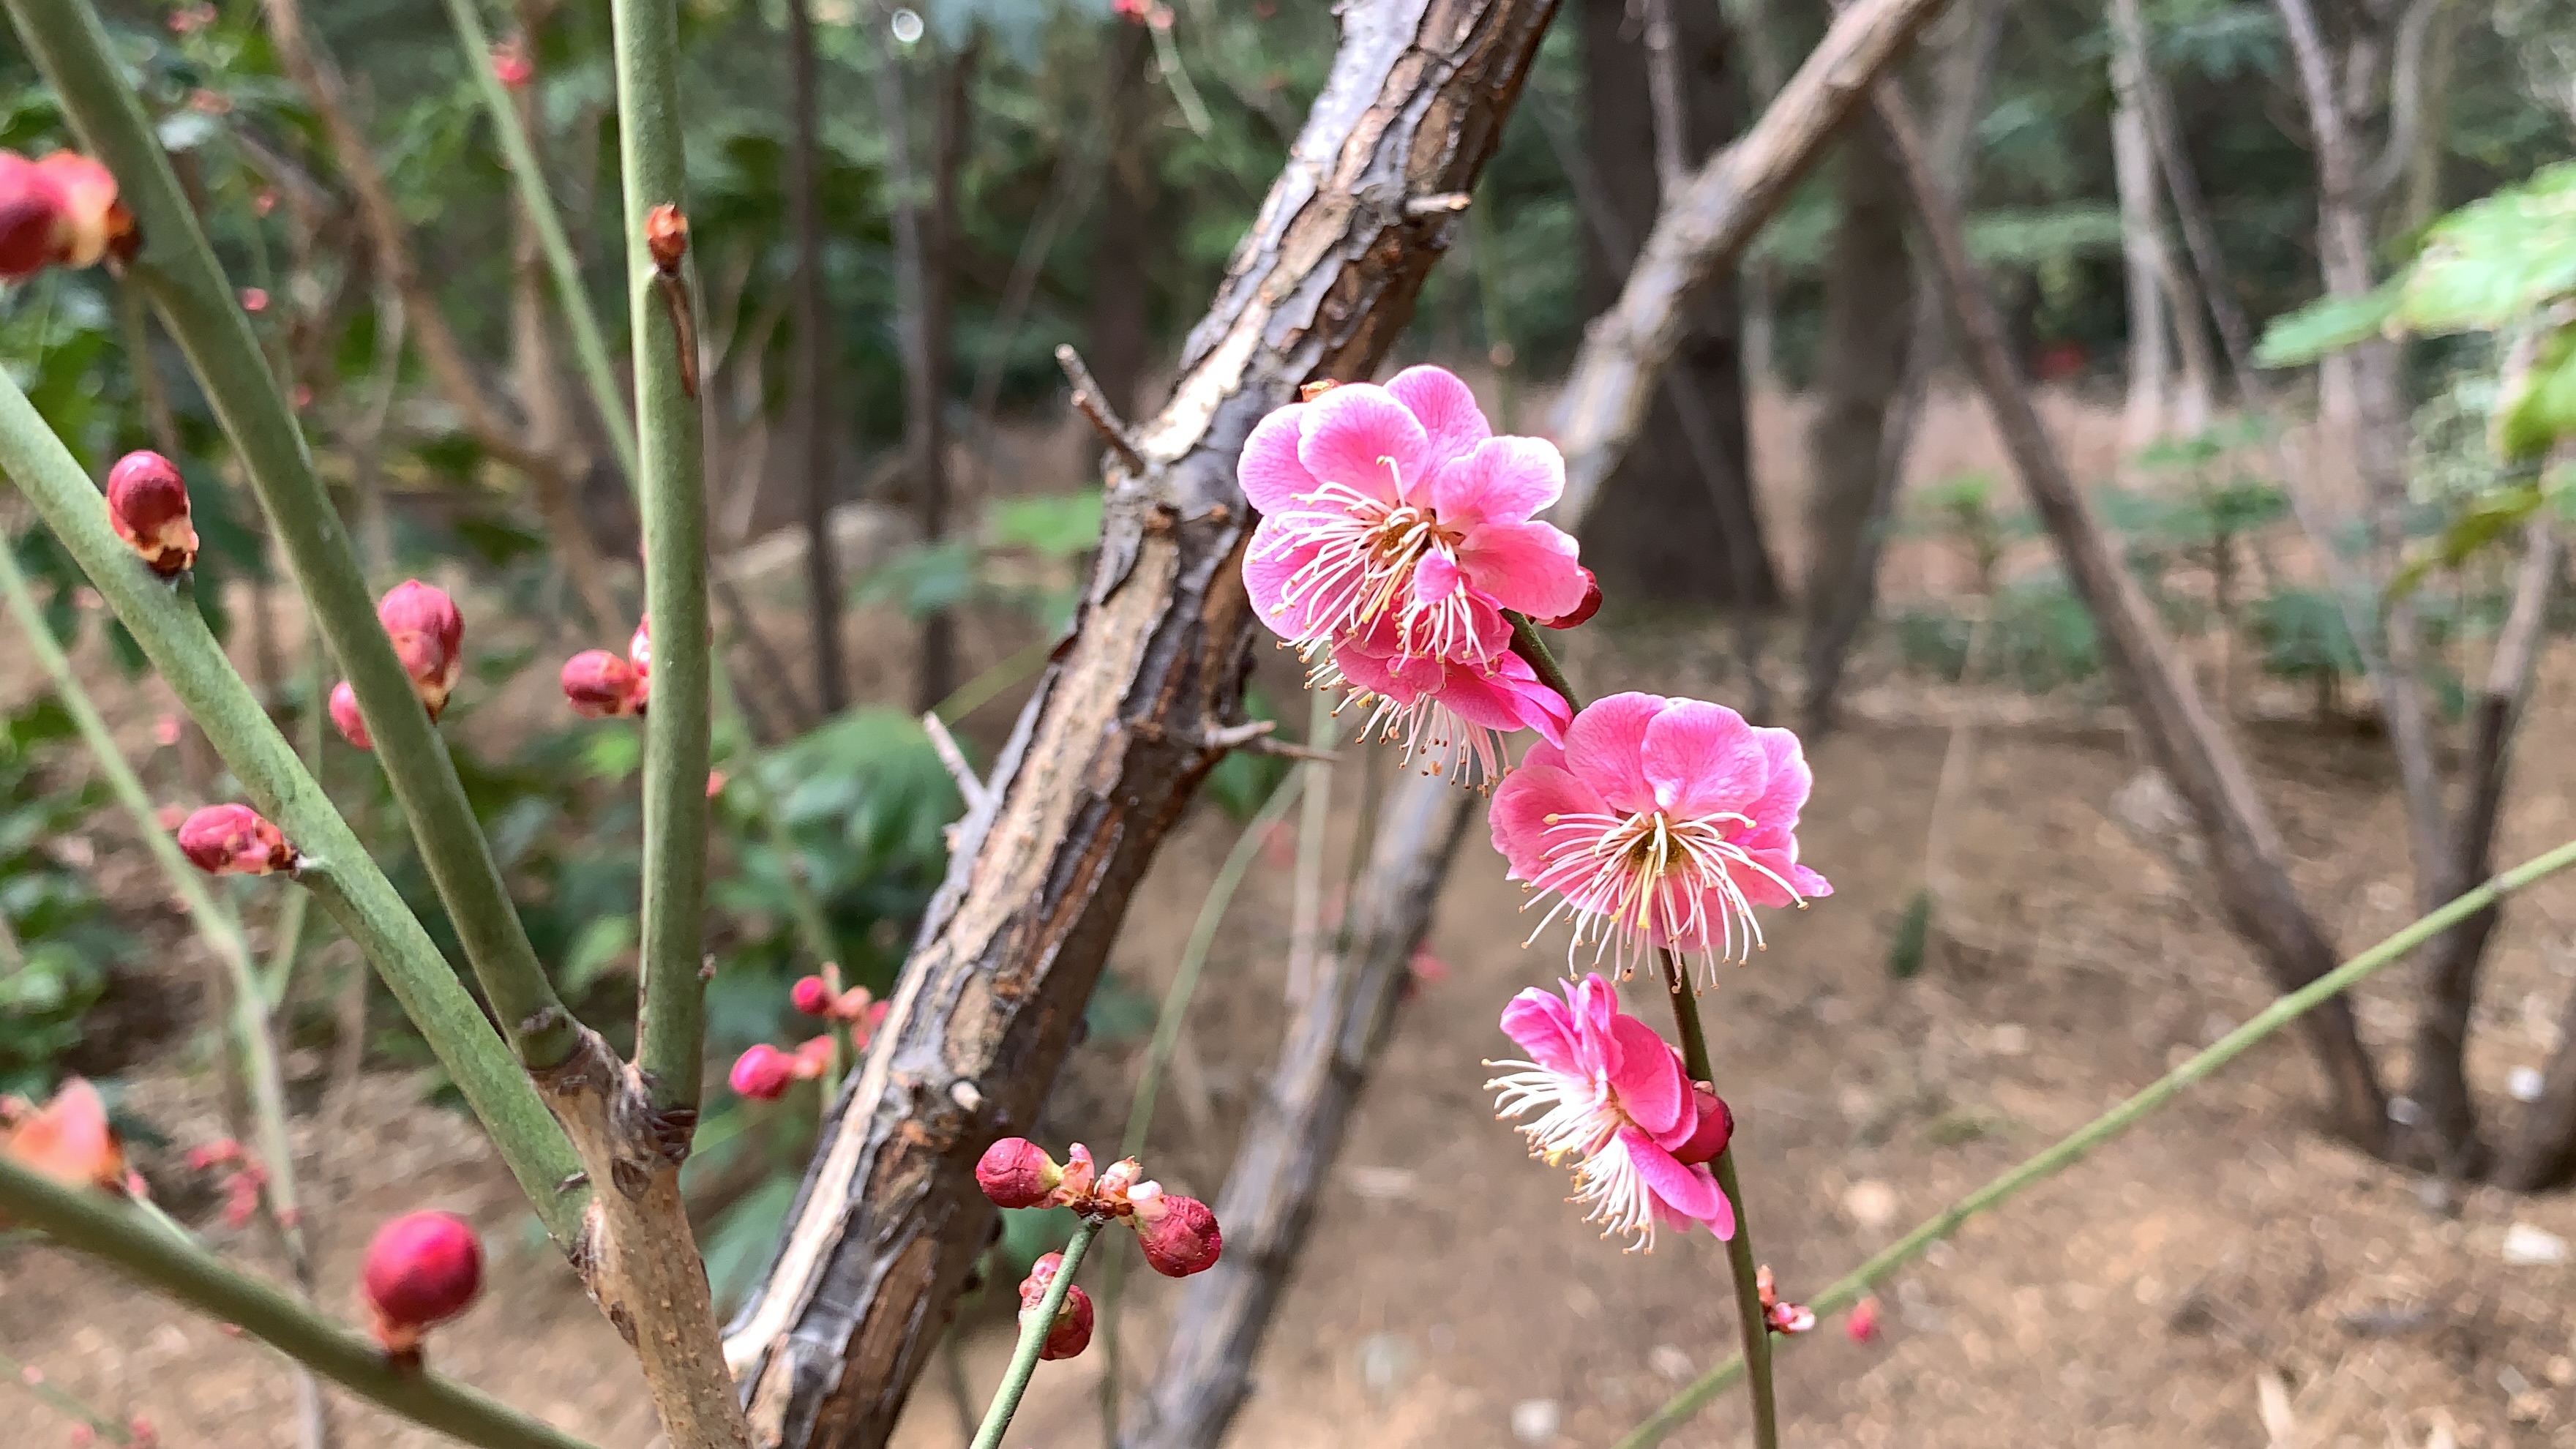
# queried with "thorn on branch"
point(968, 783)
point(1255, 737)
point(1443, 203)
point(1093, 405)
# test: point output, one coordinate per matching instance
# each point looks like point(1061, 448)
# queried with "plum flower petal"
point(1601, 1088)
point(1659, 826)
point(1456, 715)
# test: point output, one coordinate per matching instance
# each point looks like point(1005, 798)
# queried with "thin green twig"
point(1033, 1336)
point(178, 271)
point(671, 1026)
point(2075, 1146)
point(64, 1402)
point(108, 1229)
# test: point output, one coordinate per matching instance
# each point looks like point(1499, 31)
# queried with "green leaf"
point(2542, 407)
point(2329, 324)
point(1057, 525)
point(2494, 263)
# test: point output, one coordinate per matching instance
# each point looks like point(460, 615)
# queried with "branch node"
point(969, 784)
point(1089, 401)
point(1442, 203)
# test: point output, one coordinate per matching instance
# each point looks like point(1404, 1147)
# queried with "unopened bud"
point(1862, 1322)
point(234, 840)
point(69, 1139)
point(429, 638)
point(1071, 1332)
point(666, 237)
point(344, 713)
point(421, 1269)
point(1716, 1127)
point(762, 1073)
point(811, 995)
point(147, 505)
point(1179, 1234)
point(61, 211)
point(511, 65)
point(1590, 606)
point(1017, 1173)
point(813, 1057)
point(599, 685)
point(1306, 391)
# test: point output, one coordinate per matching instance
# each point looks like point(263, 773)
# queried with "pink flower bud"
point(69, 1139)
point(147, 505)
point(254, 299)
point(1716, 1127)
point(599, 685)
point(763, 1073)
point(60, 211)
point(715, 783)
point(1179, 1234)
point(813, 1057)
point(429, 638)
point(421, 1269)
point(344, 713)
point(234, 840)
point(1862, 1323)
point(1017, 1173)
point(1590, 606)
point(811, 995)
point(1071, 1332)
point(165, 730)
point(639, 650)
point(511, 65)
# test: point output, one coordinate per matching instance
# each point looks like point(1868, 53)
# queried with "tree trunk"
point(1286, 1155)
point(1869, 318)
point(1658, 533)
point(1119, 344)
point(2249, 859)
point(1107, 753)
point(929, 439)
point(2150, 352)
point(813, 353)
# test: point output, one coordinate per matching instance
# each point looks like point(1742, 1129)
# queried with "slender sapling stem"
point(1034, 1328)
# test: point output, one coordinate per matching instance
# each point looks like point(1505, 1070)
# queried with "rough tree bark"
point(1626, 348)
point(1129, 717)
point(1120, 339)
point(1869, 323)
point(1288, 1146)
point(2249, 859)
point(1669, 528)
point(805, 402)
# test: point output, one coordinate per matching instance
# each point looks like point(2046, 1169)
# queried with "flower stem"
point(165, 622)
point(1033, 1336)
point(1754, 1326)
point(69, 1405)
point(178, 271)
point(110, 1230)
point(2073, 1148)
point(671, 1030)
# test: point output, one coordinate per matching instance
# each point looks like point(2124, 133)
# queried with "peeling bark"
point(1106, 755)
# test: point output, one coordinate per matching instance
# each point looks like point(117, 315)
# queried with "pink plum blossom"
point(1455, 713)
point(1611, 1094)
point(1397, 503)
point(1659, 825)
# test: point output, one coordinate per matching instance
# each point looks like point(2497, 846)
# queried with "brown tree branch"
point(1108, 752)
point(1288, 1147)
point(2250, 861)
point(1626, 348)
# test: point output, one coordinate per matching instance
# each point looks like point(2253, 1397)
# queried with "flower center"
point(1366, 551)
point(1642, 879)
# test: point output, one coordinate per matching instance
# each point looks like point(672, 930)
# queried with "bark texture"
point(1664, 529)
point(2249, 859)
point(1118, 735)
point(1289, 1146)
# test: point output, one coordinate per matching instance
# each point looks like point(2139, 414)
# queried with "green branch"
point(178, 270)
point(530, 178)
point(2073, 1148)
point(671, 1030)
point(115, 1233)
point(173, 635)
point(1034, 1329)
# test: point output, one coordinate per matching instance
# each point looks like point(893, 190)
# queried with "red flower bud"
point(813, 1057)
point(429, 639)
point(344, 713)
point(421, 1269)
point(1590, 606)
point(234, 840)
point(254, 299)
point(666, 237)
point(69, 1139)
point(1862, 1323)
point(511, 65)
point(599, 685)
point(1017, 1173)
point(60, 211)
point(1179, 1234)
point(1071, 1332)
point(1716, 1127)
point(147, 505)
point(763, 1073)
point(811, 995)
